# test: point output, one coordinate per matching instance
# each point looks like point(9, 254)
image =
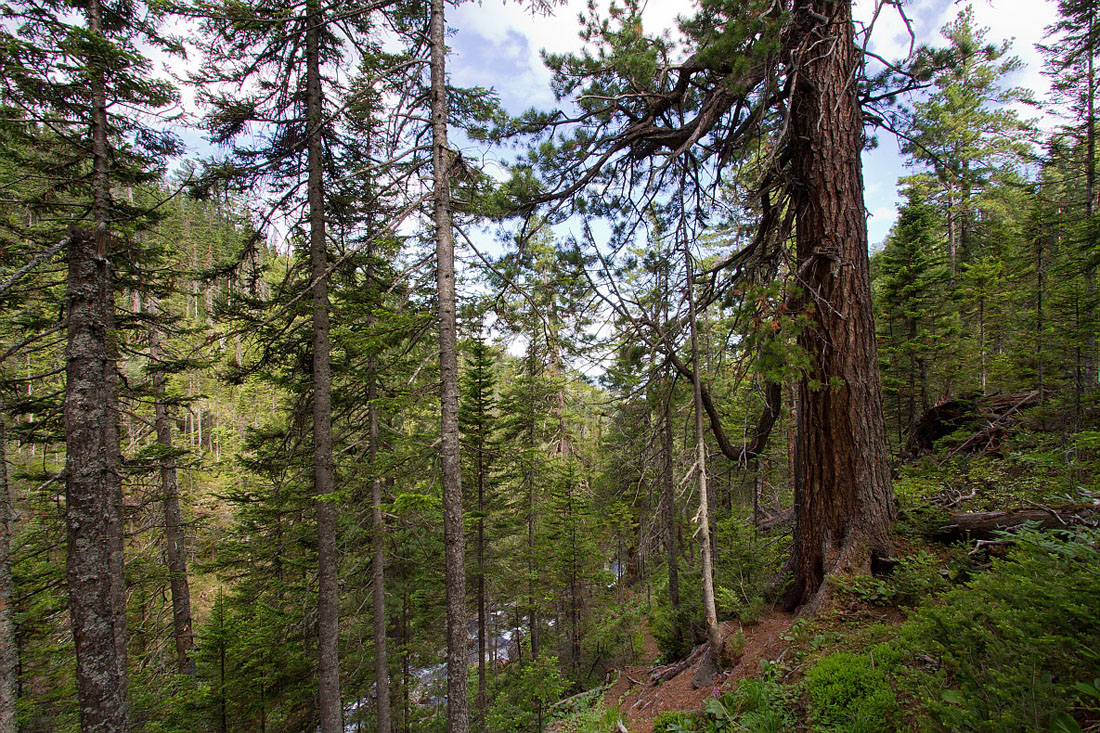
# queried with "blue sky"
point(497, 44)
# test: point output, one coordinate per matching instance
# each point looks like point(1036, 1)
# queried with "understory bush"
point(673, 631)
point(745, 566)
point(847, 692)
point(762, 705)
point(519, 694)
point(1010, 650)
point(913, 579)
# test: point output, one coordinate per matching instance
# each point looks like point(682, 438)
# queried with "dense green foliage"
point(577, 422)
point(1013, 644)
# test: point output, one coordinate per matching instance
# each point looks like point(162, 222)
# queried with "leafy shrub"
point(615, 635)
point(886, 655)
point(763, 705)
point(593, 719)
point(914, 578)
point(1014, 644)
point(847, 693)
point(916, 491)
point(744, 568)
point(518, 694)
point(673, 722)
point(673, 631)
point(917, 576)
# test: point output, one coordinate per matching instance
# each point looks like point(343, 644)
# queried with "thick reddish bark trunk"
point(843, 500)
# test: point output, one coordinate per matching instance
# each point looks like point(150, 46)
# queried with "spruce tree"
point(965, 133)
point(290, 64)
point(79, 72)
point(1071, 61)
point(911, 278)
point(477, 421)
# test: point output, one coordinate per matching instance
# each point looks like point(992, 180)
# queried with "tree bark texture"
point(668, 499)
point(378, 561)
point(842, 493)
point(705, 674)
point(328, 586)
point(482, 615)
point(91, 460)
point(9, 659)
point(1090, 201)
point(453, 539)
point(174, 535)
point(101, 216)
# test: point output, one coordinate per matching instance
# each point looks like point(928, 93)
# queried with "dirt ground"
point(640, 701)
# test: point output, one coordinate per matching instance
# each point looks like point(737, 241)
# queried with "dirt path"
point(640, 702)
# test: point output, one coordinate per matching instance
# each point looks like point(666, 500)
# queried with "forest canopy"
point(358, 375)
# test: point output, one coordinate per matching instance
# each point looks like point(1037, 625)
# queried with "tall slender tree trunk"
point(89, 493)
point(454, 541)
point(1089, 364)
point(704, 675)
point(406, 677)
point(378, 537)
point(1040, 272)
point(532, 518)
point(966, 224)
point(223, 713)
point(952, 238)
point(668, 489)
point(981, 340)
point(532, 505)
point(328, 585)
point(842, 494)
point(482, 626)
point(174, 534)
point(9, 651)
point(101, 213)
point(668, 496)
point(95, 566)
point(573, 585)
point(911, 398)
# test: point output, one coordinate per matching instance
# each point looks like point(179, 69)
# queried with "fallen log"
point(984, 525)
point(778, 521)
point(939, 421)
point(666, 672)
point(987, 416)
point(595, 691)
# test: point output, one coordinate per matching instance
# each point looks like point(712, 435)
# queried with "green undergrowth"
point(585, 713)
point(1014, 647)
point(1008, 650)
point(765, 704)
point(1000, 635)
point(744, 568)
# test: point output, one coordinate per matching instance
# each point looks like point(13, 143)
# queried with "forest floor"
point(640, 701)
